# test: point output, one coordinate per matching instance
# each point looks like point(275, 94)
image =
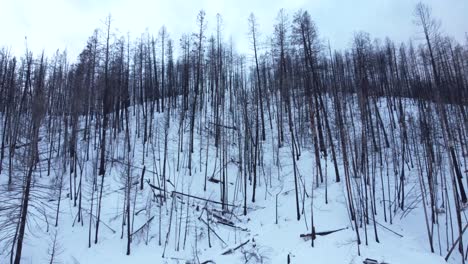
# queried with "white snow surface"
point(268, 242)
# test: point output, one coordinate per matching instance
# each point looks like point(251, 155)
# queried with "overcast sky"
point(56, 24)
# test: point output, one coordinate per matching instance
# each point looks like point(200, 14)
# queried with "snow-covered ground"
point(185, 229)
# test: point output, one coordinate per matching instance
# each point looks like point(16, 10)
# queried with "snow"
point(269, 242)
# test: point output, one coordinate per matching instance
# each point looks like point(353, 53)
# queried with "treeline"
point(376, 109)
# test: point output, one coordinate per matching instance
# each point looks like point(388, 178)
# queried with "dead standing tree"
point(38, 111)
point(106, 108)
point(198, 79)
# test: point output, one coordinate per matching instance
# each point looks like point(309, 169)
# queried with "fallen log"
point(213, 180)
point(324, 233)
point(456, 243)
point(222, 219)
point(145, 224)
point(231, 250)
point(189, 195)
point(212, 230)
point(233, 226)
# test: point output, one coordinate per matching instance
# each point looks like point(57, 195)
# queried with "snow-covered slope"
point(190, 225)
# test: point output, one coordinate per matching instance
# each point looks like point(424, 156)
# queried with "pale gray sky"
point(53, 24)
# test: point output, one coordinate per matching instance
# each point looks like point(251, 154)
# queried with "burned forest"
point(153, 149)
